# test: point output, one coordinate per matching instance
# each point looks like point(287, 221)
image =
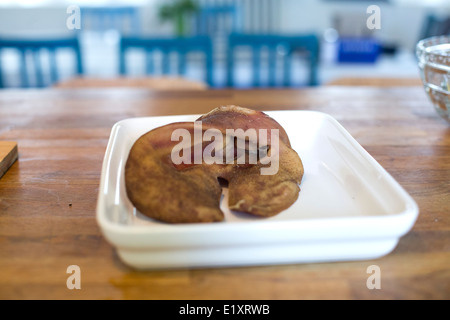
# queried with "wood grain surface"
point(377, 82)
point(48, 197)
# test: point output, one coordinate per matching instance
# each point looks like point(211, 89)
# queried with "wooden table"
point(48, 197)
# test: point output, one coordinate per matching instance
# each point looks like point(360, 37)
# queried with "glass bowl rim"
point(423, 44)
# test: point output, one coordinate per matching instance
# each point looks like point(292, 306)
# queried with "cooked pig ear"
point(180, 192)
point(165, 192)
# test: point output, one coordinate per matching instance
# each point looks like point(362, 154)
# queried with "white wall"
point(31, 21)
point(401, 23)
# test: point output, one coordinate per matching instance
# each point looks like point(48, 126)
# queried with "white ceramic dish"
point(349, 207)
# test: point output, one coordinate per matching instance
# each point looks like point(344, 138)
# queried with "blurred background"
point(213, 43)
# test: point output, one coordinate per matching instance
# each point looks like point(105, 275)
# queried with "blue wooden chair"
point(180, 46)
point(278, 47)
point(123, 19)
point(31, 52)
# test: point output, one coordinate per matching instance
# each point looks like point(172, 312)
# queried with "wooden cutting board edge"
point(8, 155)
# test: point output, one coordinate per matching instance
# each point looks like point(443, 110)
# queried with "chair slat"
point(166, 61)
point(24, 68)
point(53, 66)
point(256, 65)
point(39, 76)
point(2, 85)
point(182, 62)
point(272, 67)
point(150, 65)
point(287, 70)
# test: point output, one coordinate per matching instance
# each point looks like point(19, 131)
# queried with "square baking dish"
point(349, 207)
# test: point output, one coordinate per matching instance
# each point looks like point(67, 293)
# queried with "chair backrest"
point(124, 19)
point(180, 46)
point(221, 19)
point(32, 63)
point(249, 16)
point(278, 47)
